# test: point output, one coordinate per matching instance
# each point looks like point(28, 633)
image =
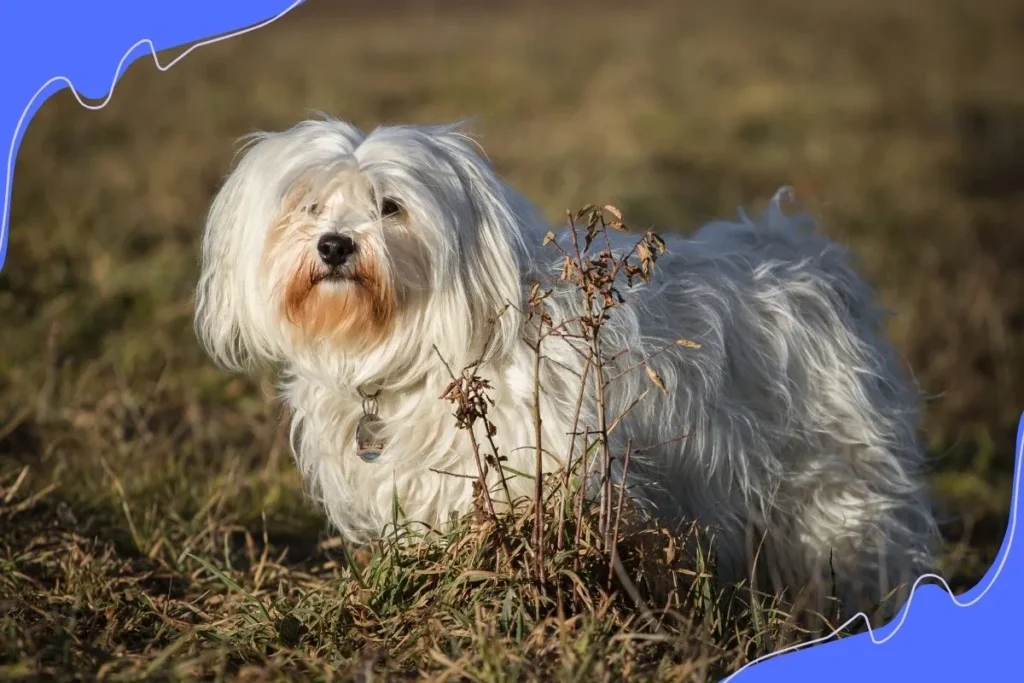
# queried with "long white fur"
point(793, 418)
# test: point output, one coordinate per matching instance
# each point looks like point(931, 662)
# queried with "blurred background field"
point(900, 123)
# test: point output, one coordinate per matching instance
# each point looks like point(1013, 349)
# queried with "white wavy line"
point(906, 608)
point(4, 218)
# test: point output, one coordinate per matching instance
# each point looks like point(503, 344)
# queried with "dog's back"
point(799, 421)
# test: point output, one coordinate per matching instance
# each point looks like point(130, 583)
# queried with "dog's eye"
point(389, 207)
point(313, 209)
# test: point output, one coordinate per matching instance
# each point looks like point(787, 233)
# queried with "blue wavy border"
point(49, 45)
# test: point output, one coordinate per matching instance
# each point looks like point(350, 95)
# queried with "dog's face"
point(341, 261)
point(328, 243)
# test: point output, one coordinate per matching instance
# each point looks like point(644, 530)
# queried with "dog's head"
point(327, 242)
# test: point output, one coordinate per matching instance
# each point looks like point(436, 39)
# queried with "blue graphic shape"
point(47, 45)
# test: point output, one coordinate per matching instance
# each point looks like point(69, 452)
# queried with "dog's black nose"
point(335, 249)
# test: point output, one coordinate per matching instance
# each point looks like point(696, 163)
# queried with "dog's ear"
point(219, 304)
point(495, 252)
point(231, 317)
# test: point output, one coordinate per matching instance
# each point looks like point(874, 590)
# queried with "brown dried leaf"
point(688, 343)
point(549, 238)
point(644, 253)
point(613, 211)
point(656, 379)
point(567, 269)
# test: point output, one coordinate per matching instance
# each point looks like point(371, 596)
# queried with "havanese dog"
point(361, 268)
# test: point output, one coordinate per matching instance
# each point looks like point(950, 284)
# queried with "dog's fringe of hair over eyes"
point(794, 416)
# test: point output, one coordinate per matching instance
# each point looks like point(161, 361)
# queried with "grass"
point(151, 522)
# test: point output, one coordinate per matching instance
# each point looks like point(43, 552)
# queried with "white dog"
point(353, 263)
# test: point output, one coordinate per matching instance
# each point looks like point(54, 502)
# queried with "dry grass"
point(151, 522)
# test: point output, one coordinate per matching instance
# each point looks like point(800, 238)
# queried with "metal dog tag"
point(369, 443)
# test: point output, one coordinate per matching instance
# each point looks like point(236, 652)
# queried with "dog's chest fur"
point(429, 463)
